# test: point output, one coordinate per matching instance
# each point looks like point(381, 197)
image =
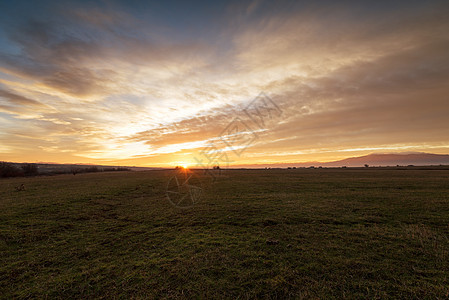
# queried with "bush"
point(92, 170)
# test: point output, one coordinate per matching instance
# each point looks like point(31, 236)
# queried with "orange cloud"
point(106, 85)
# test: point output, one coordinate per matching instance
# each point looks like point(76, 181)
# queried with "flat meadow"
point(273, 234)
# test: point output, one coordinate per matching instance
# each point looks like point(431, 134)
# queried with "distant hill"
point(402, 159)
point(417, 159)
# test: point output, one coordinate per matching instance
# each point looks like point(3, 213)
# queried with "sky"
point(164, 83)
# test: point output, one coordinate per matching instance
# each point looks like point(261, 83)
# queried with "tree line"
point(11, 170)
point(28, 169)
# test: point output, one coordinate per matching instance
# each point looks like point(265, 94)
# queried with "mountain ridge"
point(373, 159)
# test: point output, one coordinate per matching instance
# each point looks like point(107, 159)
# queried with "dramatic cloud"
point(154, 84)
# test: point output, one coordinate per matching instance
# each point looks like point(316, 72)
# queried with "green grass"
point(323, 233)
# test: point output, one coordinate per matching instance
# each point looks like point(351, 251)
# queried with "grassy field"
point(323, 233)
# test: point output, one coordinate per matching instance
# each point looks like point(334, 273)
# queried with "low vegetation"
point(304, 233)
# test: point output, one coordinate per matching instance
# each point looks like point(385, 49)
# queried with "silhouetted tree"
point(30, 169)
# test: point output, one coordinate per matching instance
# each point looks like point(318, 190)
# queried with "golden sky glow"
point(151, 85)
